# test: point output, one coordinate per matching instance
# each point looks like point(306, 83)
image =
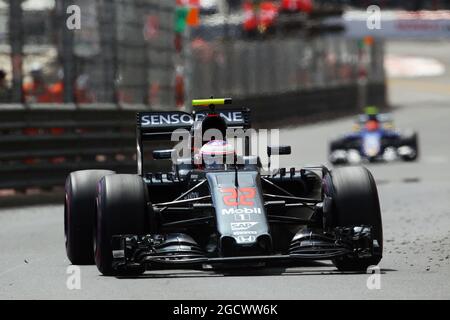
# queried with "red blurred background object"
point(297, 5)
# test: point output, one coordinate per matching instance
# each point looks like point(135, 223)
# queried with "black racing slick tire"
point(123, 207)
point(411, 141)
point(337, 144)
point(79, 214)
point(354, 203)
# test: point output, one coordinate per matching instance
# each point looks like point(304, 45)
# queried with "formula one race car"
point(217, 208)
point(374, 139)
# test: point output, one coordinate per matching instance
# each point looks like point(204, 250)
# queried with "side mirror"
point(162, 154)
point(278, 150)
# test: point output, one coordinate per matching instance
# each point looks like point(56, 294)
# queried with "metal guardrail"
point(41, 144)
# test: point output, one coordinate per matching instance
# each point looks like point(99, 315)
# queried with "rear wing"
point(159, 125)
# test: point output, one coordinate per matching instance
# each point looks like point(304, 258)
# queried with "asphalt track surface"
point(415, 200)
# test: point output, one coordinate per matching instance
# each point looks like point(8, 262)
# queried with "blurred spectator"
point(82, 92)
point(5, 90)
point(259, 18)
point(294, 6)
point(37, 90)
point(202, 49)
point(57, 89)
point(250, 18)
point(268, 12)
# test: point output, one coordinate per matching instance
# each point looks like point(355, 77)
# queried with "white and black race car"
point(207, 212)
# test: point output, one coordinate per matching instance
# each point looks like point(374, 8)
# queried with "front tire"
point(79, 214)
point(354, 203)
point(123, 207)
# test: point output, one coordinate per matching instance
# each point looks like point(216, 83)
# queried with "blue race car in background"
point(373, 139)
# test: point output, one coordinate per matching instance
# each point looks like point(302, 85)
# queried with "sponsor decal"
point(238, 196)
point(245, 239)
point(183, 248)
point(239, 226)
point(242, 233)
point(163, 119)
point(236, 211)
point(181, 118)
point(242, 217)
point(231, 117)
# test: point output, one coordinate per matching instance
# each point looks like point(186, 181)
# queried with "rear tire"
point(79, 214)
point(122, 208)
point(355, 202)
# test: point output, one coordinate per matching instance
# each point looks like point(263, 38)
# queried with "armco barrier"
point(41, 144)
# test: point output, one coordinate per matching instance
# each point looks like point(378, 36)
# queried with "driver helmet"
point(215, 154)
point(372, 125)
point(372, 112)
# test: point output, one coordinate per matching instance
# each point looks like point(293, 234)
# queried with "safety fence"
point(121, 51)
point(125, 52)
point(288, 65)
